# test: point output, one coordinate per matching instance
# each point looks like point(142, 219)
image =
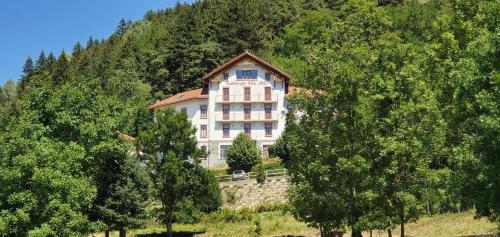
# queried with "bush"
point(280, 149)
point(259, 171)
point(243, 154)
point(256, 229)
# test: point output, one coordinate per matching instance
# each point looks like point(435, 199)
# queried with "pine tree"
point(28, 67)
point(41, 62)
point(122, 26)
point(90, 42)
point(61, 70)
point(28, 70)
point(51, 60)
point(77, 49)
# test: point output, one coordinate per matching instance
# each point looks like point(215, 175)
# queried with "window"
point(246, 74)
point(247, 128)
point(225, 130)
point(268, 77)
point(268, 93)
point(225, 112)
point(223, 151)
point(265, 151)
point(269, 129)
point(247, 109)
point(225, 76)
point(267, 109)
point(184, 110)
point(225, 93)
point(204, 151)
point(203, 131)
point(247, 93)
point(203, 111)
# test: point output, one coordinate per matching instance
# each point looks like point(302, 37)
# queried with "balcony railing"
point(246, 98)
point(242, 117)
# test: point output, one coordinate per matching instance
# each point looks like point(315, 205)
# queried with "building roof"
point(198, 93)
point(293, 90)
point(240, 57)
point(127, 137)
point(180, 97)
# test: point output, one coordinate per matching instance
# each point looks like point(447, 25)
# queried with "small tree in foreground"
point(243, 154)
point(180, 183)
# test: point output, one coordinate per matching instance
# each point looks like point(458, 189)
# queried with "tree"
point(410, 130)
point(77, 49)
point(124, 205)
point(122, 26)
point(44, 191)
point(171, 148)
point(330, 131)
point(61, 70)
point(280, 149)
point(28, 67)
point(243, 153)
point(8, 96)
point(41, 62)
point(462, 67)
point(28, 70)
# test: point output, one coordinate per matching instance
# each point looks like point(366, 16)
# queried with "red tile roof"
point(197, 94)
point(293, 90)
point(128, 137)
point(180, 97)
point(241, 57)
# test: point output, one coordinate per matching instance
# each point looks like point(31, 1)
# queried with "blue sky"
point(53, 25)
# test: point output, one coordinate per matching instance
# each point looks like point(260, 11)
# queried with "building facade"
point(244, 95)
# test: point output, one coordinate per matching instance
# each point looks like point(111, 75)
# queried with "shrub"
point(256, 229)
point(280, 149)
point(231, 196)
point(259, 171)
point(243, 153)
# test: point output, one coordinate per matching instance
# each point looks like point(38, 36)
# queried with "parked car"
point(239, 175)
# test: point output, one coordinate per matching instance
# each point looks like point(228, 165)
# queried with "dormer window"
point(225, 76)
point(268, 77)
point(246, 74)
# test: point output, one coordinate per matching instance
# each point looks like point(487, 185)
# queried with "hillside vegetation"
point(402, 119)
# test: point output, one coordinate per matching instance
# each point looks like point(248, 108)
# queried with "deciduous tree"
point(243, 153)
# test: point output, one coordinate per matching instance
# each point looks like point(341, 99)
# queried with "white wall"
point(194, 115)
point(236, 92)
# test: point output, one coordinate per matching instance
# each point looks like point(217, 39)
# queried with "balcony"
point(243, 117)
point(246, 98)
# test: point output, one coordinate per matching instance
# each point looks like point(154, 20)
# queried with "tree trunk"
point(123, 232)
point(106, 234)
point(371, 235)
point(402, 219)
point(429, 208)
point(169, 226)
point(389, 233)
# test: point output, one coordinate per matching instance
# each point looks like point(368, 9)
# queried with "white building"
point(245, 94)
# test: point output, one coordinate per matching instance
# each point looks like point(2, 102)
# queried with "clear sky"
point(29, 26)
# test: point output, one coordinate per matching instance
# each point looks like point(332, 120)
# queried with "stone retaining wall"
point(249, 193)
